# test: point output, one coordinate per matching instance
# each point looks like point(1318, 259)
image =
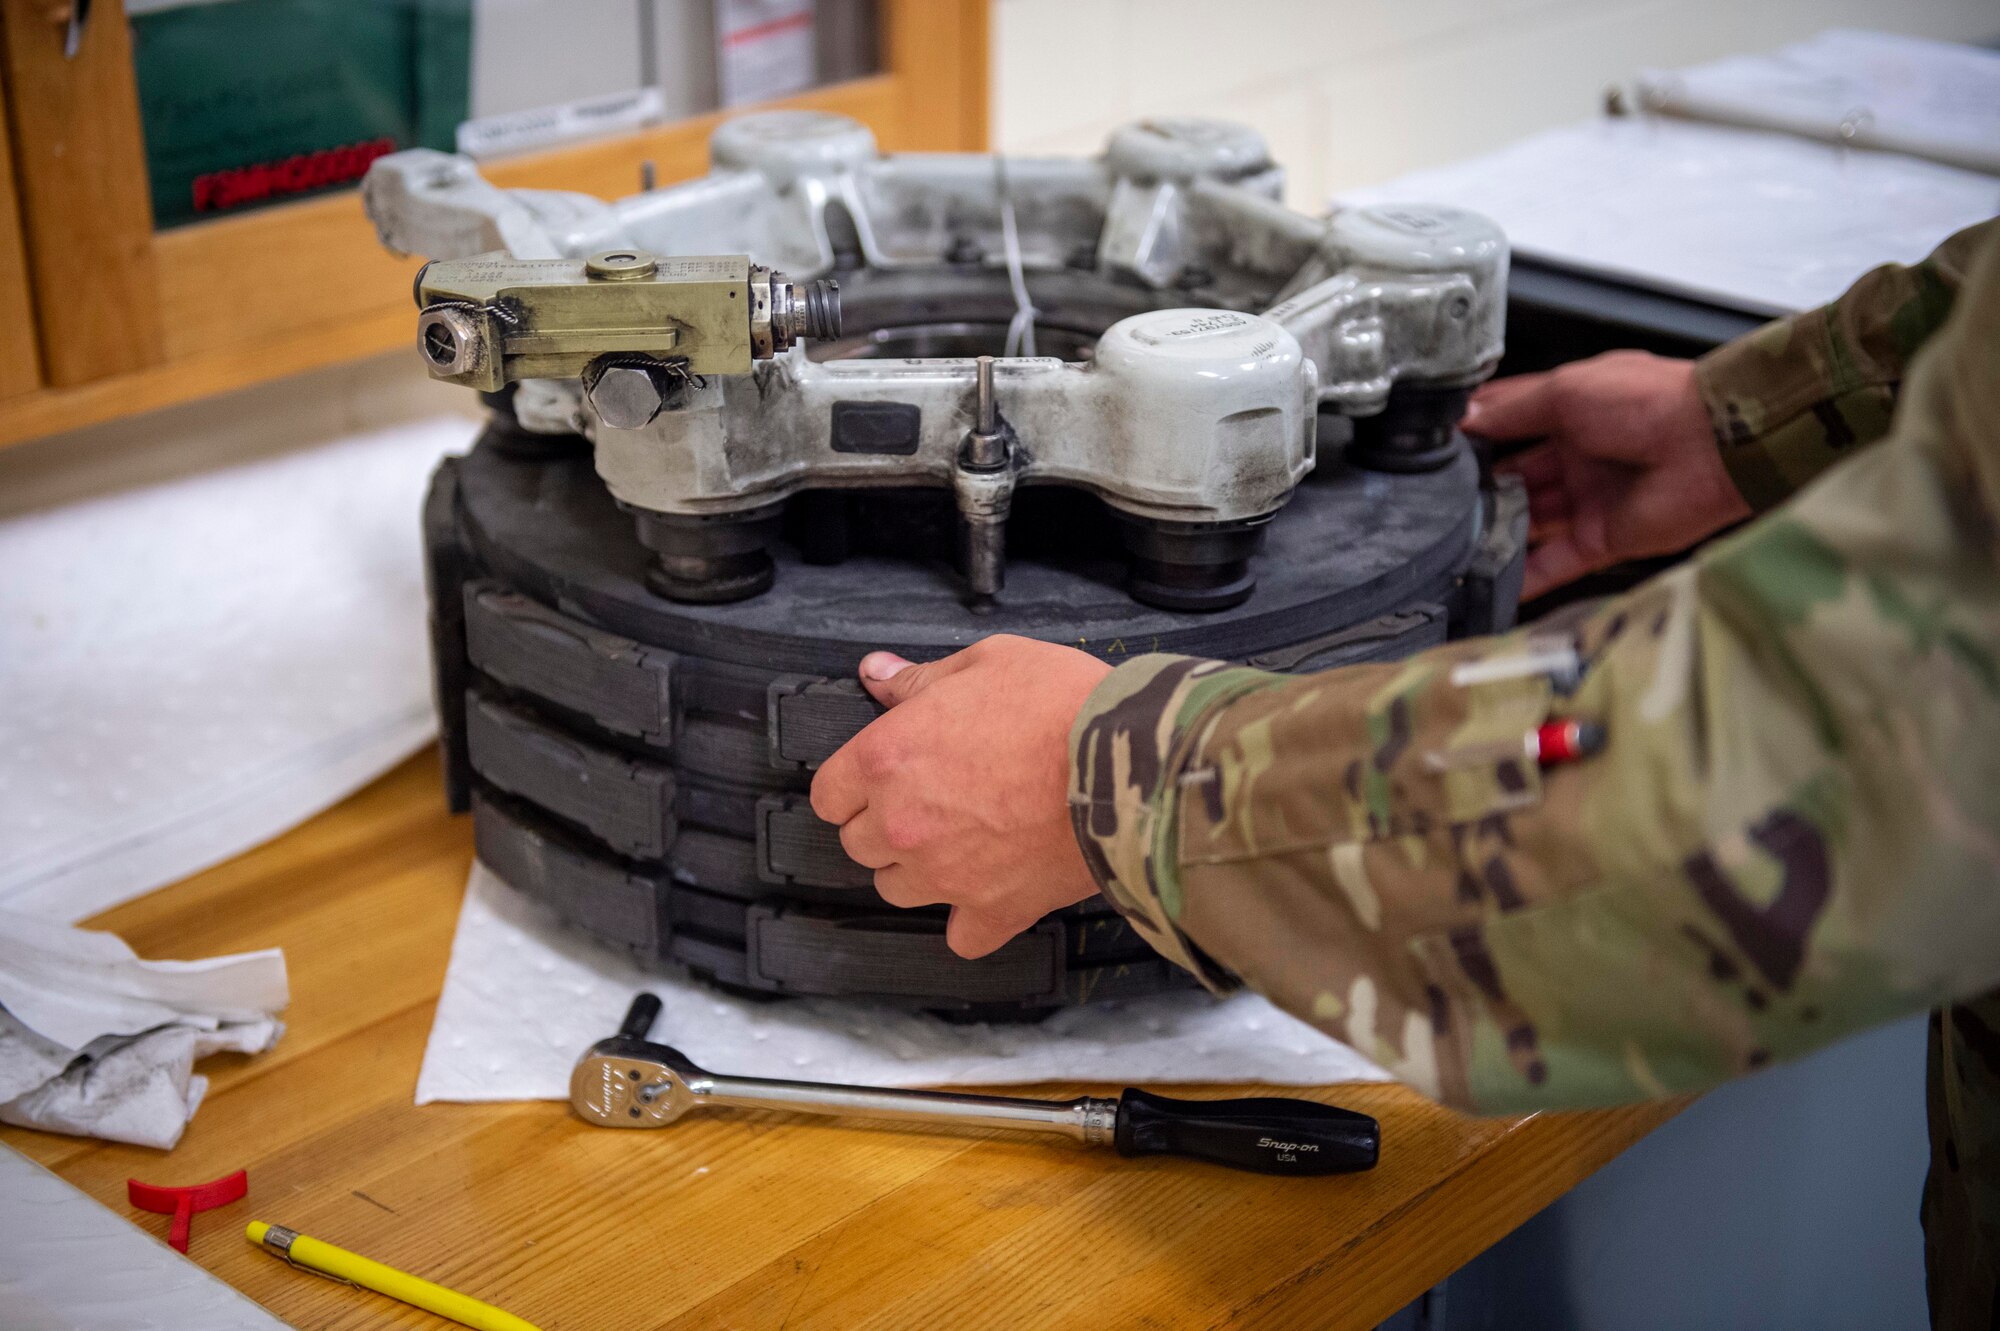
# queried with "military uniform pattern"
point(1792, 833)
point(1796, 396)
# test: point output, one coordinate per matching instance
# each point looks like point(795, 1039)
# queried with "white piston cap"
point(1186, 148)
point(1420, 238)
point(785, 145)
point(1213, 397)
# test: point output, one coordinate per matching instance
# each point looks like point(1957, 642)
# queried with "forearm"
point(1798, 395)
point(1792, 833)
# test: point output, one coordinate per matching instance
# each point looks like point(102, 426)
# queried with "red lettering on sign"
point(218, 191)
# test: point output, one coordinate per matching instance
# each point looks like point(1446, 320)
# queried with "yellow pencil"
point(341, 1264)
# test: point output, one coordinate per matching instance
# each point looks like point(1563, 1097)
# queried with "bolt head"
point(620, 265)
point(625, 397)
point(448, 340)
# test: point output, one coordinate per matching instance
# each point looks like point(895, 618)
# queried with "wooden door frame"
point(20, 357)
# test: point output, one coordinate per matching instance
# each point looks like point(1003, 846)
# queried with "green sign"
point(249, 102)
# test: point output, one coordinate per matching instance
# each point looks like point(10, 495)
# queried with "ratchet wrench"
point(629, 1081)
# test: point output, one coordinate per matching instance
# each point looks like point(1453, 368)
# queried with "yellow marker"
point(341, 1264)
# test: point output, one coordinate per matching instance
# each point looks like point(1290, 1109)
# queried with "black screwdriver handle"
point(1266, 1135)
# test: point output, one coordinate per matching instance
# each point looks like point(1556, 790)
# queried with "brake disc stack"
point(645, 634)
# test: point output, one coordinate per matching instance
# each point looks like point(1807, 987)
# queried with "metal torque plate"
point(1171, 337)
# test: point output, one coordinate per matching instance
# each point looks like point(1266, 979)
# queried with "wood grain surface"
point(86, 208)
point(740, 1221)
point(20, 360)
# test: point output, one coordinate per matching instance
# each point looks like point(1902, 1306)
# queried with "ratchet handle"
point(1266, 1135)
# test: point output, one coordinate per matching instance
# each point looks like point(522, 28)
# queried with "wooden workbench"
point(726, 1221)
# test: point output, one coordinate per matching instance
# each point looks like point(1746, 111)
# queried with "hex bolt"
point(447, 339)
point(627, 397)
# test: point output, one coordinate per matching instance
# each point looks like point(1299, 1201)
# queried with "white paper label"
point(587, 118)
point(764, 49)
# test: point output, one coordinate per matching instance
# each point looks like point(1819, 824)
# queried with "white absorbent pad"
point(192, 667)
point(524, 997)
point(67, 1262)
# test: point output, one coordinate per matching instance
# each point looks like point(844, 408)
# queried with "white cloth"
point(192, 667)
point(524, 997)
point(1883, 90)
point(1761, 221)
point(98, 1043)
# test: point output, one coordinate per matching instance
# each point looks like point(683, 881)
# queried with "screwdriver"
point(629, 1081)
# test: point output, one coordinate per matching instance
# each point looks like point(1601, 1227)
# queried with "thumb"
point(973, 935)
point(893, 680)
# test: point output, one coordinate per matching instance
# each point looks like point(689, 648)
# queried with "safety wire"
point(1021, 330)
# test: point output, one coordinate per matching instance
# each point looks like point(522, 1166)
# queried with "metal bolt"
point(627, 397)
point(620, 266)
point(447, 340)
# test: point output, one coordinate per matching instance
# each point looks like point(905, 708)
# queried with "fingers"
point(1548, 510)
point(1553, 564)
point(1518, 408)
point(1539, 467)
point(840, 788)
point(1495, 390)
point(893, 680)
point(866, 840)
point(1550, 504)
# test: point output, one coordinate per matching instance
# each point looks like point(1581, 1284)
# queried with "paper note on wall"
point(764, 48)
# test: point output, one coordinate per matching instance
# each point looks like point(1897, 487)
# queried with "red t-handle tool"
point(182, 1203)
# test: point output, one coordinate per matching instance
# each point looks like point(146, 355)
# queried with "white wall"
point(1349, 92)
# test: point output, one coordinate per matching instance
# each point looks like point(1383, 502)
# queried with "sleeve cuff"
point(1742, 388)
point(1127, 749)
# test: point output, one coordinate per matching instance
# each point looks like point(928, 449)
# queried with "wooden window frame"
point(101, 317)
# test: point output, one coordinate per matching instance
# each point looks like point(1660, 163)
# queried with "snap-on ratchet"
point(628, 1081)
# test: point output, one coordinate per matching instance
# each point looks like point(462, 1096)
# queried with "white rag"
point(95, 1042)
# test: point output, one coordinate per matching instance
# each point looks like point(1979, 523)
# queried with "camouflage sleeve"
point(1792, 832)
point(1796, 396)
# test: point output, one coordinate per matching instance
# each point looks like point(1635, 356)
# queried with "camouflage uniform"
point(1792, 833)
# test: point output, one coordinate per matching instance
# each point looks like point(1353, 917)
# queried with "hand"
point(1628, 467)
point(959, 794)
